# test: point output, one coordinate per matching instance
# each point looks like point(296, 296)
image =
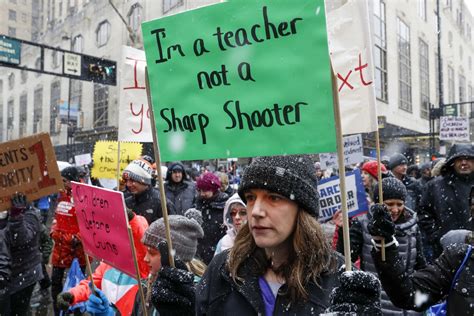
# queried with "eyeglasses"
point(241, 213)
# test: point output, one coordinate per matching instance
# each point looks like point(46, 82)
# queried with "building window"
point(171, 4)
point(102, 33)
point(1, 121)
point(11, 31)
point(424, 80)
point(38, 66)
point(462, 94)
point(11, 80)
point(422, 9)
point(380, 51)
point(23, 76)
point(37, 110)
point(469, 62)
point(23, 114)
point(78, 44)
point(449, 4)
point(404, 66)
point(76, 99)
point(450, 84)
point(10, 115)
point(55, 101)
point(135, 17)
point(450, 39)
point(12, 15)
point(101, 105)
point(56, 58)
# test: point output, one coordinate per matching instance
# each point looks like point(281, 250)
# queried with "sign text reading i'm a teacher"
point(241, 79)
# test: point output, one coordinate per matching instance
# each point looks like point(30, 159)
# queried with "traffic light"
point(99, 70)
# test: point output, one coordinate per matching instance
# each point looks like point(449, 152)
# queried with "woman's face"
point(396, 208)
point(238, 213)
point(366, 179)
point(153, 259)
point(272, 218)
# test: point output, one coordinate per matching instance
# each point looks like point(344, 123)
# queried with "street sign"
point(451, 110)
point(72, 64)
point(10, 50)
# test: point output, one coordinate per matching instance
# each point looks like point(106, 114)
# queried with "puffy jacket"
point(5, 262)
point(183, 195)
point(214, 229)
point(445, 206)
point(217, 294)
point(65, 234)
point(119, 287)
point(148, 204)
point(24, 234)
point(430, 285)
point(408, 236)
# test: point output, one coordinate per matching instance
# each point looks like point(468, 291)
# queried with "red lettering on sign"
point(135, 79)
point(46, 181)
point(345, 80)
point(139, 113)
point(359, 69)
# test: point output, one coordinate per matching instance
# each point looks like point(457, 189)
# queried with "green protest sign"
point(241, 79)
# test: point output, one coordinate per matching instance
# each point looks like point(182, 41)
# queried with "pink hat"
point(208, 182)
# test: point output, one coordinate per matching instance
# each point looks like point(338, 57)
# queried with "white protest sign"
point(83, 159)
point(351, 56)
point(134, 114)
point(454, 128)
point(353, 153)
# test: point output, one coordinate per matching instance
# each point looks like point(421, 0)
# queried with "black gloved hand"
point(19, 205)
point(173, 290)
point(64, 300)
point(381, 223)
point(75, 242)
point(359, 292)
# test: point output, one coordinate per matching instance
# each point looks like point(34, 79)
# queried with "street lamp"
point(68, 142)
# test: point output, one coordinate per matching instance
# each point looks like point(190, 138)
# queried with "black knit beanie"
point(71, 174)
point(291, 176)
point(397, 160)
point(392, 188)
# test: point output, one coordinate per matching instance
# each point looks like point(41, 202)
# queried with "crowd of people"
point(259, 249)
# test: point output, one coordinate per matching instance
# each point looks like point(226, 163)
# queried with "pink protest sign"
point(103, 225)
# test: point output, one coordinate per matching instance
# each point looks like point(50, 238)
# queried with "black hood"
point(170, 170)
point(457, 151)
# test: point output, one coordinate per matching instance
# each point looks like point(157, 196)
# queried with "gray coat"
point(183, 195)
point(5, 262)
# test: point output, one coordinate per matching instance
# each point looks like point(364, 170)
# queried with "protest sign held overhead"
point(105, 157)
point(260, 77)
point(103, 225)
point(353, 153)
point(351, 57)
point(83, 159)
point(330, 196)
point(134, 114)
point(454, 128)
point(28, 165)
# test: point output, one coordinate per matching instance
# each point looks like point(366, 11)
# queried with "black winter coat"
point(183, 195)
point(408, 236)
point(214, 229)
point(24, 234)
point(445, 206)
point(5, 262)
point(414, 192)
point(148, 204)
point(433, 282)
point(217, 294)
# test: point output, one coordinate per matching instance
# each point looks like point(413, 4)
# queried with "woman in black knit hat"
point(406, 231)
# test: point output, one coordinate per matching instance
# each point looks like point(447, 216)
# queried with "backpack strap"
point(461, 267)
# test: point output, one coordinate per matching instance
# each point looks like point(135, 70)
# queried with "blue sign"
point(10, 50)
point(330, 196)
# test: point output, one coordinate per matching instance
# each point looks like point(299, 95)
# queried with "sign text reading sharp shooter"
point(261, 74)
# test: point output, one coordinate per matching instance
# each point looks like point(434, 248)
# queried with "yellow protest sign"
point(105, 157)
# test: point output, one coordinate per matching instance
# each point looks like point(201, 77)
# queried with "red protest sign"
point(28, 165)
point(103, 225)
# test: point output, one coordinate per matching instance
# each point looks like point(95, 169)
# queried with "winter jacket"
point(414, 192)
point(445, 206)
point(5, 262)
point(430, 285)
point(24, 233)
point(46, 245)
point(148, 204)
point(410, 244)
point(183, 195)
point(214, 229)
point(227, 241)
point(65, 234)
point(217, 294)
point(119, 287)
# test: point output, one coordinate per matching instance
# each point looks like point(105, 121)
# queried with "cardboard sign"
point(103, 225)
point(105, 157)
point(260, 78)
point(330, 196)
point(28, 165)
point(83, 159)
point(454, 128)
point(353, 153)
point(134, 114)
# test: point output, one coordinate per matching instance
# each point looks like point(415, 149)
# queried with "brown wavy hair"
point(310, 255)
